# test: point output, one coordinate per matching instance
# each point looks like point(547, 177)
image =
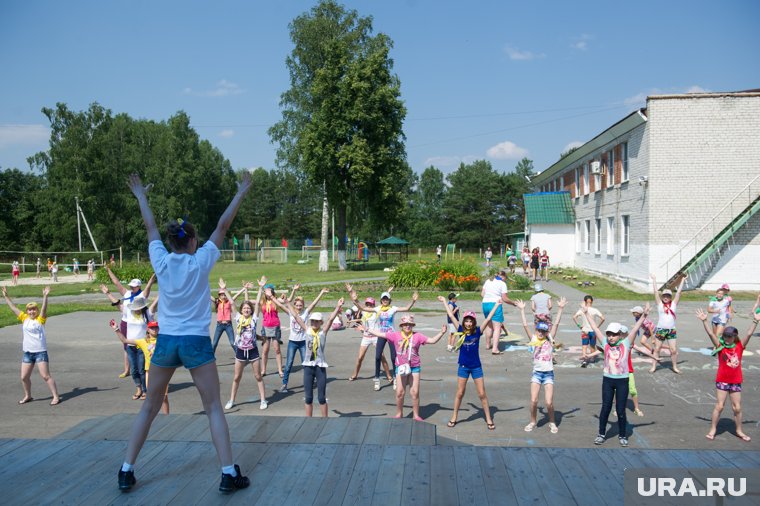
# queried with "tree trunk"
point(341, 211)
point(323, 259)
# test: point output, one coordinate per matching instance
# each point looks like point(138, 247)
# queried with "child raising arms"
point(728, 382)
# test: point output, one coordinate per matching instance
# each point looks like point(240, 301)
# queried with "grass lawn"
point(8, 318)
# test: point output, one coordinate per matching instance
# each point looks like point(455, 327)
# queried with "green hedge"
point(128, 271)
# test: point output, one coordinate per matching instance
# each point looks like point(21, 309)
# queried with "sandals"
point(530, 427)
point(497, 353)
point(638, 412)
point(452, 423)
point(27, 399)
point(124, 375)
point(352, 378)
point(491, 426)
point(137, 395)
point(55, 402)
point(143, 397)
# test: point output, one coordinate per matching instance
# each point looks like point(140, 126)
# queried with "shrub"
point(468, 283)
point(447, 276)
point(128, 271)
point(417, 274)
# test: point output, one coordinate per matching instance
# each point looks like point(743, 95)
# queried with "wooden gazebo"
point(392, 249)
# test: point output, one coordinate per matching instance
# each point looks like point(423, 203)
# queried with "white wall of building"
point(558, 241)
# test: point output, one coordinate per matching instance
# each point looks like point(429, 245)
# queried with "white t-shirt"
point(183, 279)
point(137, 326)
point(245, 336)
point(542, 356)
point(493, 290)
point(592, 313)
point(385, 318)
point(297, 333)
point(666, 320)
point(33, 331)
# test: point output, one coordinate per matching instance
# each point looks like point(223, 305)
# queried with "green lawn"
point(8, 318)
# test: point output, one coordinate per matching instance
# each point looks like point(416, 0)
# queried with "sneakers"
point(284, 388)
point(638, 412)
point(584, 364)
point(377, 385)
point(231, 483)
point(264, 405)
point(599, 439)
point(229, 404)
point(126, 480)
point(623, 441)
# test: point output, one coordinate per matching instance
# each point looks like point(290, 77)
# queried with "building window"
point(611, 168)
point(625, 234)
point(610, 236)
point(578, 238)
point(624, 157)
point(587, 236)
point(577, 182)
point(585, 178)
point(598, 178)
point(597, 236)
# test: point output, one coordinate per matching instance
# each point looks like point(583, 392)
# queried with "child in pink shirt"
point(408, 366)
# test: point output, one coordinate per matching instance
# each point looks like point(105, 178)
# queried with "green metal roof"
point(548, 207)
point(393, 241)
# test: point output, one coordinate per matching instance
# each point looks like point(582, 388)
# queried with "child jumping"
point(34, 345)
point(185, 319)
point(728, 381)
point(666, 323)
point(541, 346)
point(408, 364)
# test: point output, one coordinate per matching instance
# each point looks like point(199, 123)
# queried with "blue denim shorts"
point(188, 351)
point(543, 377)
point(498, 316)
point(31, 357)
point(466, 372)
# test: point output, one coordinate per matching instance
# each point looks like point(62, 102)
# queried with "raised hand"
point(135, 184)
point(349, 287)
point(441, 299)
point(415, 296)
point(262, 281)
point(46, 291)
point(562, 302)
point(222, 284)
point(297, 286)
point(247, 285)
point(520, 303)
point(701, 314)
point(647, 308)
point(324, 291)
point(340, 302)
point(104, 289)
point(5, 292)
point(584, 309)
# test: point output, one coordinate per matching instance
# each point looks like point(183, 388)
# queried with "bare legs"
point(360, 359)
point(413, 382)
point(736, 405)
point(26, 381)
point(480, 386)
point(265, 355)
point(535, 390)
point(238, 375)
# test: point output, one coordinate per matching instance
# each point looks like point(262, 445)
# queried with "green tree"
point(19, 201)
point(342, 117)
point(426, 220)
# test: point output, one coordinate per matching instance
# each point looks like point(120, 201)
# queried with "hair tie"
point(181, 224)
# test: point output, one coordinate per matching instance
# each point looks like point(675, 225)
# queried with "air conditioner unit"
point(596, 167)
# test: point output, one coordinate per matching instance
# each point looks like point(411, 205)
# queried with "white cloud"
point(522, 55)
point(581, 42)
point(571, 145)
point(23, 135)
point(507, 151)
point(696, 89)
point(226, 133)
point(223, 88)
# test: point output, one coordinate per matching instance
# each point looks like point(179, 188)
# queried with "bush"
point(516, 282)
point(128, 271)
point(446, 277)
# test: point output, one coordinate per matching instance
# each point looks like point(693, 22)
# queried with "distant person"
point(541, 305)
point(54, 272)
point(588, 336)
point(525, 256)
point(75, 267)
point(544, 263)
point(489, 256)
point(535, 263)
point(183, 276)
point(452, 323)
point(39, 267)
point(50, 268)
point(15, 271)
point(512, 261)
point(666, 322)
point(34, 345)
point(438, 252)
point(90, 269)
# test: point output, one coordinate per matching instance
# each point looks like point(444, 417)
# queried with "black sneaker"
point(231, 483)
point(126, 480)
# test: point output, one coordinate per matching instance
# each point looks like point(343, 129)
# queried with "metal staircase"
point(698, 257)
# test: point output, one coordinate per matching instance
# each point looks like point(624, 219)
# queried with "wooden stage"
point(302, 461)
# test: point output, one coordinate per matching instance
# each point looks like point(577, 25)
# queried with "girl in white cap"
point(617, 346)
point(541, 346)
point(467, 342)
point(34, 345)
point(666, 323)
point(385, 314)
point(408, 365)
point(368, 321)
point(315, 366)
point(728, 381)
point(184, 340)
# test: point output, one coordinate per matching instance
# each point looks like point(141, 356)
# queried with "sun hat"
point(637, 309)
point(135, 283)
point(538, 287)
point(614, 328)
point(138, 303)
point(153, 325)
point(370, 300)
point(408, 320)
point(385, 295)
point(667, 292)
point(470, 314)
point(317, 317)
point(542, 326)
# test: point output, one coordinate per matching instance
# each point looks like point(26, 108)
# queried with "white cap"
point(135, 283)
point(613, 328)
point(538, 287)
point(624, 329)
point(385, 295)
point(354, 309)
point(316, 317)
point(637, 309)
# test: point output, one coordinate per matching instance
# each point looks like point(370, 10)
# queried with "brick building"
point(671, 187)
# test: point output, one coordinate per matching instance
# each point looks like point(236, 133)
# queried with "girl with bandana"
point(408, 365)
point(246, 351)
point(666, 323)
point(728, 381)
point(541, 345)
point(721, 309)
point(617, 346)
point(315, 365)
point(467, 341)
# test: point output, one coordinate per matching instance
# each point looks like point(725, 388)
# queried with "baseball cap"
point(385, 295)
point(542, 326)
point(637, 309)
point(135, 283)
point(453, 295)
point(316, 317)
point(614, 328)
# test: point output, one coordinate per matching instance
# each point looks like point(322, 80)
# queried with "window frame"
point(625, 235)
point(625, 170)
point(611, 235)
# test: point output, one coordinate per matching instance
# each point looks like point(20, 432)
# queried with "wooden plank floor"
point(338, 461)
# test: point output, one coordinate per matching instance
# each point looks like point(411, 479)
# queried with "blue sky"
point(495, 80)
